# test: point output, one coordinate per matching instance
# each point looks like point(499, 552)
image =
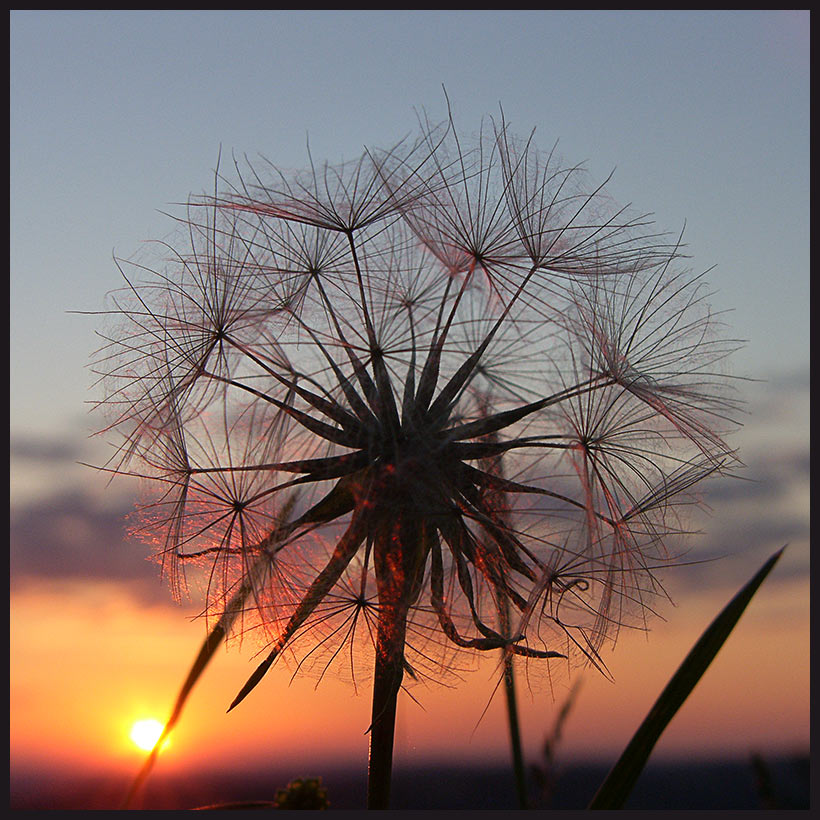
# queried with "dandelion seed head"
point(484, 393)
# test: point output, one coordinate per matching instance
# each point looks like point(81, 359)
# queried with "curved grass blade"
point(212, 642)
point(206, 652)
point(615, 790)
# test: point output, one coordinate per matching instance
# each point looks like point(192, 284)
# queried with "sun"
point(145, 733)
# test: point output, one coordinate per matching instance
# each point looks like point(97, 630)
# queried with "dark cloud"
point(76, 533)
point(70, 536)
point(795, 381)
point(751, 517)
point(766, 476)
point(778, 402)
point(43, 451)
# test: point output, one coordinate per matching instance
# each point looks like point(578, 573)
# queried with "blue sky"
point(114, 115)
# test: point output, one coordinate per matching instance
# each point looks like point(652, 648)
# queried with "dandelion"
point(492, 392)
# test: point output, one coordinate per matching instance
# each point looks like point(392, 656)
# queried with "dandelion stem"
point(387, 677)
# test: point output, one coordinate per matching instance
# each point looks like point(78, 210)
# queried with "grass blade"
point(615, 790)
point(206, 652)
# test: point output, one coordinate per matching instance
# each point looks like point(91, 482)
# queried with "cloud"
point(749, 518)
point(71, 536)
point(767, 505)
point(42, 451)
point(78, 529)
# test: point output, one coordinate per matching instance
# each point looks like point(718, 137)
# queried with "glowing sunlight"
point(145, 733)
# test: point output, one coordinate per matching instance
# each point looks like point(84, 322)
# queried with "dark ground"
point(781, 783)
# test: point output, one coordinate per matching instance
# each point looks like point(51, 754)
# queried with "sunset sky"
point(116, 116)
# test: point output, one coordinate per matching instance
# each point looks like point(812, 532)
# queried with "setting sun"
point(145, 733)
